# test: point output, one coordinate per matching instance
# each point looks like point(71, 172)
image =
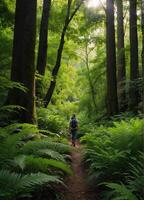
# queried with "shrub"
point(110, 153)
point(51, 120)
point(14, 185)
point(27, 162)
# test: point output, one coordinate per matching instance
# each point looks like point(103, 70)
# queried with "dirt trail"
point(77, 187)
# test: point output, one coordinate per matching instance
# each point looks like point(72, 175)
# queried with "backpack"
point(73, 123)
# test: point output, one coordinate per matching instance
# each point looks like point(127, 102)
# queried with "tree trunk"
point(89, 76)
point(56, 68)
point(43, 45)
point(112, 101)
point(23, 68)
point(121, 76)
point(142, 25)
point(134, 71)
point(43, 39)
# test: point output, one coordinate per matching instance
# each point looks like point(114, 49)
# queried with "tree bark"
point(112, 100)
point(56, 68)
point(134, 70)
point(43, 39)
point(121, 75)
point(89, 76)
point(23, 68)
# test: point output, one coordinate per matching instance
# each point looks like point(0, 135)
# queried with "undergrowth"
point(114, 157)
point(29, 163)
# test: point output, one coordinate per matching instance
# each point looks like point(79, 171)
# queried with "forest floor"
point(77, 185)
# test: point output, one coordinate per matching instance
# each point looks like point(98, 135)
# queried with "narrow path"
point(77, 187)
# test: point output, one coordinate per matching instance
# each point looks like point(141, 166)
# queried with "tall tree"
point(23, 68)
point(56, 68)
point(121, 75)
point(142, 25)
point(89, 76)
point(112, 100)
point(43, 38)
point(134, 70)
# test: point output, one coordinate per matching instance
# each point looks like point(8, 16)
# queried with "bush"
point(51, 120)
point(27, 162)
point(111, 152)
point(133, 189)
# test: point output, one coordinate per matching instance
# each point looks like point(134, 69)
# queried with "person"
point(73, 127)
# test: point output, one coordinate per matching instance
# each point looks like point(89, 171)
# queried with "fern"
point(29, 182)
point(51, 120)
point(6, 110)
point(19, 162)
point(23, 157)
point(8, 150)
point(113, 155)
point(11, 142)
point(135, 180)
point(48, 153)
point(32, 147)
point(36, 164)
point(24, 130)
point(8, 84)
point(121, 192)
point(13, 185)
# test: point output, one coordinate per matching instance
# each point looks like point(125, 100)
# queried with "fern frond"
point(32, 146)
point(11, 108)
point(48, 153)
point(121, 192)
point(13, 185)
point(8, 149)
point(20, 161)
point(12, 139)
point(6, 83)
point(24, 129)
point(32, 180)
point(36, 164)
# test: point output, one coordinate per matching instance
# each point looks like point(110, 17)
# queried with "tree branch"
point(74, 12)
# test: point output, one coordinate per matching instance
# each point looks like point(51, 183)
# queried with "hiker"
point(73, 127)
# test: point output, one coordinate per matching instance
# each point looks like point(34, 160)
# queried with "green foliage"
point(51, 120)
point(5, 111)
point(133, 189)
point(11, 141)
point(7, 84)
point(33, 146)
point(7, 12)
point(36, 164)
point(135, 181)
point(27, 165)
point(121, 192)
point(23, 130)
point(5, 49)
point(13, 185)
point(48, 153)
point(113, 155)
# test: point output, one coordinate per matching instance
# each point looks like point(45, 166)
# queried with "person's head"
point(73, 116)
